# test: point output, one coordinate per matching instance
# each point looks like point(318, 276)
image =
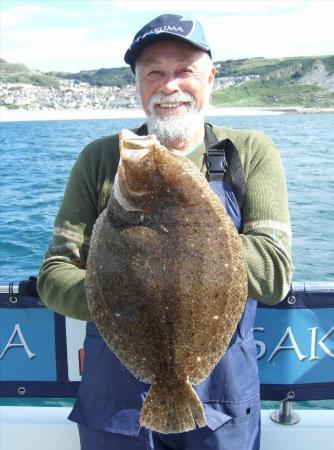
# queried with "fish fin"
point(173, 409)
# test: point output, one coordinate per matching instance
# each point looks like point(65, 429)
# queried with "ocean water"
point(36, 158)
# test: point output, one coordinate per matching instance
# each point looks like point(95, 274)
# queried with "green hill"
point(19, 73)
point(303, 81)
point(102, 77)
point(294, 67)
point(274, 93)
point(290, 69)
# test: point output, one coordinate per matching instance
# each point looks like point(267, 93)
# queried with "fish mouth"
point(122, 200)
point(134, 147)
point(134, 154)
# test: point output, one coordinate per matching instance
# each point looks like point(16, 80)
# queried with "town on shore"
point(75, 99)
point(291, 84)
point(73, 94)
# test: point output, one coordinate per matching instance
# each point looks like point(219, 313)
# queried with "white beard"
point(172, 129)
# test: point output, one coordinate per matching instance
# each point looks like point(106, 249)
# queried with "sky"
point(74, 35)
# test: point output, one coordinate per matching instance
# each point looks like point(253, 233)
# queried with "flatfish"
point(166, 279)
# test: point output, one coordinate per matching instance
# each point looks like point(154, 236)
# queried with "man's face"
point(170, 68)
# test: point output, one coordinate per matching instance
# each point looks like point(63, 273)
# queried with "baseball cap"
point(167, 26)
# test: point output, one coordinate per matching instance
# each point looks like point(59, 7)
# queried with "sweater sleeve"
point(266, 237)
point(61, 278)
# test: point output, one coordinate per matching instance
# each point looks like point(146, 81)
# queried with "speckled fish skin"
point(166, 280)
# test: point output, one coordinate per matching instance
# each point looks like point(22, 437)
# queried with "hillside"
point(303, 81)
point(276, 67)
point(292, 69)
point(300, 81)
point(19, 73)
point(119, 77)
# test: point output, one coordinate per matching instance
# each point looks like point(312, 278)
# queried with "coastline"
point(10, 115)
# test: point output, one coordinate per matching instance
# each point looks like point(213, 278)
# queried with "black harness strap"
point(221, 158)
point(215, 155)
point(142, 131)
point(236, 172)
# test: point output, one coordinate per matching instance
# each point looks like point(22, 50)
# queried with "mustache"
point(178, 97)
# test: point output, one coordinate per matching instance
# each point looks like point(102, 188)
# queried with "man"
point(174, 73)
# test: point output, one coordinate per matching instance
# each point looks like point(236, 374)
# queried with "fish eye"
point(146, 163)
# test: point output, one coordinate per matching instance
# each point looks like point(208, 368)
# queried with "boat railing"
point(41, 352)
point(22, 287)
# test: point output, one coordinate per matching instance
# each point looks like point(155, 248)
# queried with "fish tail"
point(172, 409)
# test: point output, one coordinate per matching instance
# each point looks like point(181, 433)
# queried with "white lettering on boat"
point(294, 346)
point(320, 343)
point(17, 333)
point(289, 335)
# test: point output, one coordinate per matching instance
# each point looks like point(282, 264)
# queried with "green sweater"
point(266, 237)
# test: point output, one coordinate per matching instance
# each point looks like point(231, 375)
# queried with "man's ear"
point(212, 75)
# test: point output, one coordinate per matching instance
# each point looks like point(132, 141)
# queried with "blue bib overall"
point(110, 398)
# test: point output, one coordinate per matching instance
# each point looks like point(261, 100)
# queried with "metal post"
point(285, 415)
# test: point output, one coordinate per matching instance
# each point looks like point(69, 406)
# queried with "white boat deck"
point(37, 428)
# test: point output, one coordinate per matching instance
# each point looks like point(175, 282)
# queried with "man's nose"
point(170, 85)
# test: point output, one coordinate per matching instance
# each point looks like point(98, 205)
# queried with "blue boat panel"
point(295, 342)
point(27, 345)
point(295, 346)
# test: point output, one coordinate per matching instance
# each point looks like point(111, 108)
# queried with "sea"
point(37, 156)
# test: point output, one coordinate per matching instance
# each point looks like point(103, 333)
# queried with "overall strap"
point(142, 130)
point(223, 158)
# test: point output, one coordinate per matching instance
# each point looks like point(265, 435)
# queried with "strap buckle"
point(216, 162)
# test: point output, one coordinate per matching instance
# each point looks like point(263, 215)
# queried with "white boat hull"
point(37, 428)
